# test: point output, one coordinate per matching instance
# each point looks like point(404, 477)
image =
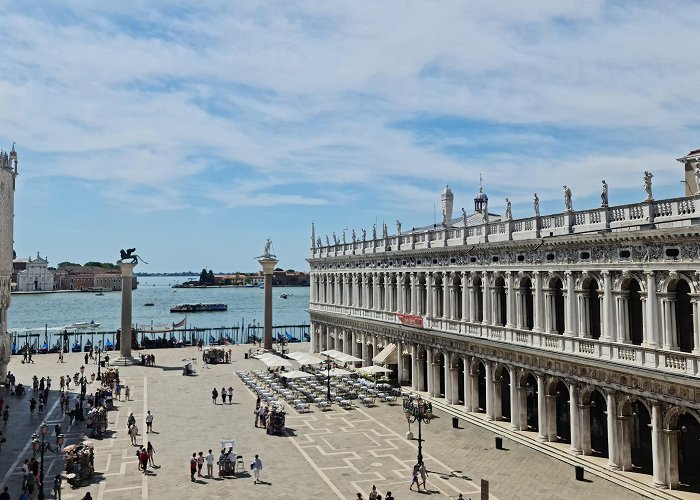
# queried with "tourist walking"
point(62, 383)
point(5, 414)
point(200, 463)
point(133, 432)
point(373, 494)
point(230, 395)
point(193, 466)
point(388, 496)
point(130, 421)
point(151, 452)
point(214, 395)
point(223, 395)
point(257, 467)
point(210, 464)
point(261, 417)
point(149, 422)
point(57, 487)
point(143, 458)
point(414, 477)
point(126, 392)
point(32, 406)
point(423, 473)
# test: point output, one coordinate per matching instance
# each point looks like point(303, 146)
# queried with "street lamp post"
point(99, 354)
point(417, 410)
point(41, 446)
point(328, 380)
point(83, 390)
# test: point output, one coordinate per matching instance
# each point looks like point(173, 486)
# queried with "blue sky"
point(193, 132)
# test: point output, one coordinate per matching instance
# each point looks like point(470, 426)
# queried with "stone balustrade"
point(596, 349)
point(663, 213)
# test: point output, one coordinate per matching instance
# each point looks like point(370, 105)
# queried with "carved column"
point(657, 446)
point(374, 349)
point(623, 322)
point(365, 351)
point(608, 332)
point(430, 308)
point(541, 409)
point(652, 321)
point(514, 400)
point(414, 293)
point(585, 419)
point(613, 448)
point(510, 301)
point(474, 304)
point(414, 367)
point(570, 315)
point(467, 385)
point(445, 295)
point(486, 284)
point(519, 308)
point(489, 390)
point(669, 320)
point(549, 311)
point(575, 418)
point(466, 296)
point(537, 306)
point(399, 362)
point(429, 365)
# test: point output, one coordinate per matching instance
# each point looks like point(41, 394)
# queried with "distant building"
point(8, 175)
point(32, 275)
point(284, 278)
point(89, 277)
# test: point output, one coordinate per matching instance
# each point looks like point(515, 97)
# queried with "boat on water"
point(198, 308)
point(77, 347)
point(99, 294)
point(249, 285)
point(284, 296)
point(149, 304)
point(261, 285)
point(82, 325)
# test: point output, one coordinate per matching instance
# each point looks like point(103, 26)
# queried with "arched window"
point(684, 316)
point(635, 312)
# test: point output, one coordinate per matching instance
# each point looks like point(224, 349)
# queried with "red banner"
point(410, 320)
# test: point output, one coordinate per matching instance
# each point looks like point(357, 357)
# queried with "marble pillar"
point(125, 357)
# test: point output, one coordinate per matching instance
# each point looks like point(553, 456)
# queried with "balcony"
point(624, 355)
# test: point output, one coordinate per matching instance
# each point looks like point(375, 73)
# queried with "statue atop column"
point(385, 230)
point(318, 242)
point(567, 198)
point(444, 219)
point(604, 195)
point(536, 205)
point(464, 217)
point(509, 210)
point(647, 185)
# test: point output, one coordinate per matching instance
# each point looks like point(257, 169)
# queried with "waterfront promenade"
point(332, 454)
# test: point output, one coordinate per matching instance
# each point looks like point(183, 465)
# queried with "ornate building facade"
point(33, 275)
point(579, 327)
point(8, 174)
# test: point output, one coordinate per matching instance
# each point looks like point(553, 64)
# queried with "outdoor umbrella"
point(304, 358)
point(374, 369)
point(275, 361)
point(347, 358)
point(295, 374)
point(338, 372)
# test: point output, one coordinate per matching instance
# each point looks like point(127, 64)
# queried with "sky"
point(193, 131)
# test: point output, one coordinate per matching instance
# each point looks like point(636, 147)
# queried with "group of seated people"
point(227, 461)
point(188, 370)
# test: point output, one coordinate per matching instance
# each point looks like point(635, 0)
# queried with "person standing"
point(32, 406)
point(230, 395)
point(193, 466)
point(5, 495)
point(210, 464)
point(423, 474)
point(373, 494)
point(223, 395)
point(151, 452)
point(149, 422)
point(388, 496)
point(5, 414)
point(143, 458)
point(200, 463)
point(214, 395)
point(414, 477)
point(257, 467)
point(126, 392)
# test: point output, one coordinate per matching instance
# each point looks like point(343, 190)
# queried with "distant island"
point(181, 273)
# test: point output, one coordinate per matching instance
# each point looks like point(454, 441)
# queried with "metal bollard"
point(499, 443)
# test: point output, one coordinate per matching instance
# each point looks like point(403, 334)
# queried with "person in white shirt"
point(149, 422)
point(257, 467)
point(210, 464)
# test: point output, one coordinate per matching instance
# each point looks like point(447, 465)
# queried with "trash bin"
point(246, 355)
point(455, 422)
point(579, 473)
point(102, 364)
point(499, 443)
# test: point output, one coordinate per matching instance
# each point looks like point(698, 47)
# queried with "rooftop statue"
point(509, 210)
point(328, 242)
point(464, 217)
point(354, 238)
point(697, 179)
point(343, 237)
point(647, 185)
point(364, 234)
point(567, 198)
point(486, 211)
point(267, 252)
point(318, 242)
point(444, 219)
point(604, 195)
point(335, 239)
point(374, 231)
point(536, 203)
point(398, 227)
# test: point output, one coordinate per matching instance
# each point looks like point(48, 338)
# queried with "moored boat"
point(82, 325)
point(198, 308)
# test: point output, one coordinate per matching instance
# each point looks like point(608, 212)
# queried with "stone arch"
point(668, 285)
point(680, 288)
point(499, 298)
point(622, 282)
point(501, 377)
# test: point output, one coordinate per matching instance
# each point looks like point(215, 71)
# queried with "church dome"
point(481, 195)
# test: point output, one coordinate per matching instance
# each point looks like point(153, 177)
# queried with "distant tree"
point(291, 271)
point(103, 265)
point(210, 278)
point(66, 264)
point(279, 269)
point(203, 277)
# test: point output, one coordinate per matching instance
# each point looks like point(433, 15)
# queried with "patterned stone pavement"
point(332, 454)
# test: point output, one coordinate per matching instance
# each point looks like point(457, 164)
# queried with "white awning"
point(305, 358)
point(387, 356)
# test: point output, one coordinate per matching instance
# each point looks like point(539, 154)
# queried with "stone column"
point(465, 298)
point(374, 349)
point(541, 409)
point(623, 325)
point(549, 311)
point(695, 305)
point(575, 419)
point(467, 385)
point(448, 378)
point(585, 419)
point(399, 362)
point(268, 264)
point(511, 320)
point(519, 309)
point(551, 418)
point(652, 321)
point(669, 323)
point(414, 367)
point(537, 303)
point(445, 295)
point(657, 446)
point(354, 343)
point(365, 353)
point(473, 304)
point(401, 306)
point(486, 287)
point(414, 293)
point(608, 331)
point(127, 270)
point(671, 449)
point(514, 400)
point(570, 314)
point(430, 306)
point(489, 390)
point(613, 448)
point(454, 384)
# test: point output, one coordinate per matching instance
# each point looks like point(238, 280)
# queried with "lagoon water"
point(35, 311)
